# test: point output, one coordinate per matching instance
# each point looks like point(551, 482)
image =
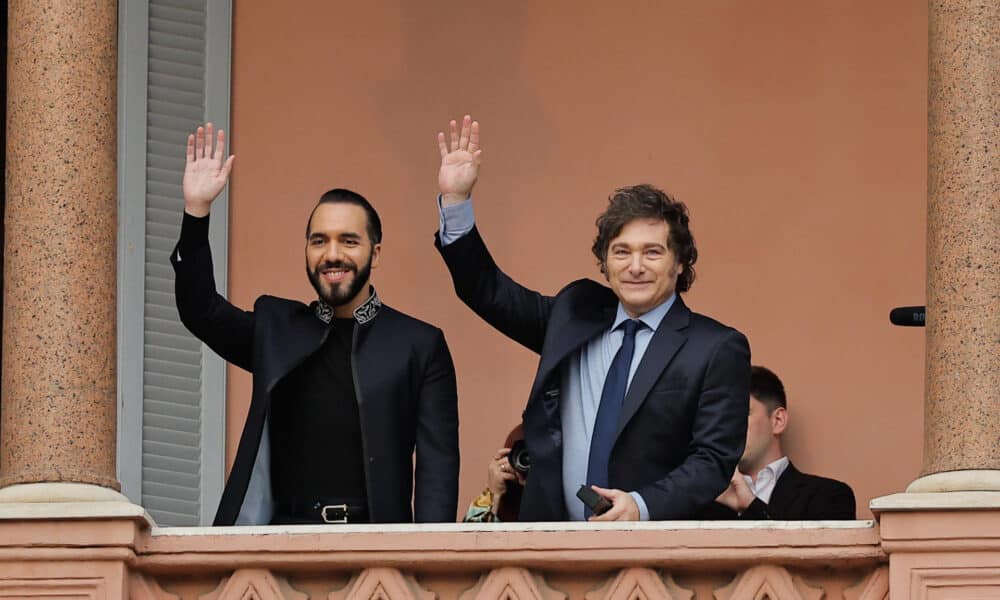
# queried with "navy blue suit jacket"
point(684, 419)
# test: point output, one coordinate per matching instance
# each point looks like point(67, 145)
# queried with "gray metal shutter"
point(174, 73)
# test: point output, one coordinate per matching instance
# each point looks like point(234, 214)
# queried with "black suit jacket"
point(684, 418)
point(405, 385)
point(797, 496)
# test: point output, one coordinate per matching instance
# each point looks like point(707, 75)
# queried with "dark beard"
point(337, 297)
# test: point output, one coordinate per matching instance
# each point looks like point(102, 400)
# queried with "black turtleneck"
point(315, 426)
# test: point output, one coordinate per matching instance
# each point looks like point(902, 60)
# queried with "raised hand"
point(459, 161)
point(205, 172)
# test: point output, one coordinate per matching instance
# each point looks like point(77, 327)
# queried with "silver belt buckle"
point(334, 507)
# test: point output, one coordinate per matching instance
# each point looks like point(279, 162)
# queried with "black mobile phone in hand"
point(597, 503)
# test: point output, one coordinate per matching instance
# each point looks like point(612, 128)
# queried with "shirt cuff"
point(455, 220)
point(643, 511)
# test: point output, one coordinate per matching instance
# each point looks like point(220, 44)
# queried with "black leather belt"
point(324, 510)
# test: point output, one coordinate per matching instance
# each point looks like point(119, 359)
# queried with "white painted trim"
point(931, 501)
point(133, 61)
point(218, 75)
point(472, 527)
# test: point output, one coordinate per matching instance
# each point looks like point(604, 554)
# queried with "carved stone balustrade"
point(120, 555)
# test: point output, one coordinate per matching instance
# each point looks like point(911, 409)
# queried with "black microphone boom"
point(908, 316)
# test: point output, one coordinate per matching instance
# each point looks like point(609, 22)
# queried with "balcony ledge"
point(547, 546)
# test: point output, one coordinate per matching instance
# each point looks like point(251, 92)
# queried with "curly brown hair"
point(645, 201)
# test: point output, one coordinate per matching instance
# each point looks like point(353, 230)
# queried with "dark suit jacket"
point(797, 496)
point(405, 385)
point(684, 418)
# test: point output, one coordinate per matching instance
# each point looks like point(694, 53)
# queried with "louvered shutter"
point(174, 74)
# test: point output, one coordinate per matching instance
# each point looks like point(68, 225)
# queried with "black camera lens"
point(519, 457)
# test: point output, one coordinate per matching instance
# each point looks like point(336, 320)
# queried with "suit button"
point(371, 459)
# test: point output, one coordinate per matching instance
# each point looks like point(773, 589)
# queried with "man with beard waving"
point(345, 389)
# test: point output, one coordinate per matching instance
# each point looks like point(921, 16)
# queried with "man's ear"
point(779, 420)
point(376, 254)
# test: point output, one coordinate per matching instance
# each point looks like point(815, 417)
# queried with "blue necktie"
point(608, 412)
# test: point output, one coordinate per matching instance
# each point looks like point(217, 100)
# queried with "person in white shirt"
point(766, 485)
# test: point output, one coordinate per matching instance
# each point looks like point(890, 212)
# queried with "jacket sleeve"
point(757, 511)
point(514, 310)
point(211, 318)
point(718, 434)
point(435, 496)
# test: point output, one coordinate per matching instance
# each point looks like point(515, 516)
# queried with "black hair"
point(767, 388)
point(345, 196)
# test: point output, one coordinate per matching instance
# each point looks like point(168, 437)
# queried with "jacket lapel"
point(304, 333)
point(786, 491)
point(590, 314)
point(667, 340)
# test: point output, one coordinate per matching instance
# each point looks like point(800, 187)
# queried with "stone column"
point(962, 405)
point(60, 249)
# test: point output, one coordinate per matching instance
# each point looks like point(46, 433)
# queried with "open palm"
point(459, 160)
point(205, 171)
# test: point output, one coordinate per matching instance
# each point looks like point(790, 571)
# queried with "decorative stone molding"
point(873, 587)
point(510, 583)
point(770, 582)
point(254, 584)
point(640, 583)
point(956, 583)
point(144, 588)
point(382, 584)
point(76, 588)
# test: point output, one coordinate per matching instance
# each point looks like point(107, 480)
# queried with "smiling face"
point(640, 267)
point(340, 255)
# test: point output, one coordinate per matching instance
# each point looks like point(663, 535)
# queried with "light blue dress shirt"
point(582, 380)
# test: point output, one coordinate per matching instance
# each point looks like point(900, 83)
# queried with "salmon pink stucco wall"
point(795, 132)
